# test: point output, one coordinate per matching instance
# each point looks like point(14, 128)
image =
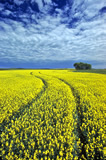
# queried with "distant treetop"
point(82, 65)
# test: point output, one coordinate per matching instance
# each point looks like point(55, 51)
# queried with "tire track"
point(83, 154)
point(80, 120)
point(27, 107)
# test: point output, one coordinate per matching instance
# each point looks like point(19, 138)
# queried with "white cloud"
point(40, 4)
point(18, 2)
point(6, 12)
point(49, 39)
point(1, 7)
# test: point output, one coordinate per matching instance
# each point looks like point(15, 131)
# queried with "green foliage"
point(101, 71)
point(82, 65)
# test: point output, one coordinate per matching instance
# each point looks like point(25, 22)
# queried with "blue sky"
point(52, 33)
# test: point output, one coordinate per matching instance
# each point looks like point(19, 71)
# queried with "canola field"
point(52, 115)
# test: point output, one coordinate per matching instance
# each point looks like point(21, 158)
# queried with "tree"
point(82, 65)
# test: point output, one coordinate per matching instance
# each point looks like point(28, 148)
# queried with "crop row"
point(47, 129)
point(17, 89)
point(64, 121)
point(90, 93)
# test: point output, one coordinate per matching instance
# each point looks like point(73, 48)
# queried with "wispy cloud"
point(77, 32)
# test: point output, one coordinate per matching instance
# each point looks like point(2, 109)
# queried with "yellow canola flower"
point(45, 112)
